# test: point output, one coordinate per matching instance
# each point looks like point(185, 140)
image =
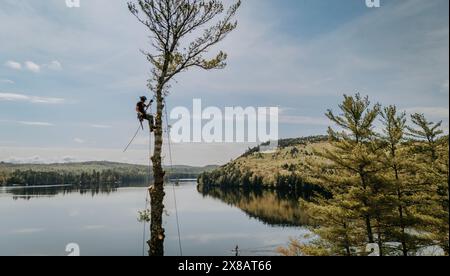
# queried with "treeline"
point(290, 142)
point(231, 175)
point(37, 178)
point(388, 189)
point(88, 174)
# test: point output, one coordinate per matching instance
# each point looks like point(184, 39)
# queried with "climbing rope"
point(137, 131)
point(144, 230)
point(132, 139)
point(173, 186)
point(147, 194)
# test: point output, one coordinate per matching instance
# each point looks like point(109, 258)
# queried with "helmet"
point(143, 98)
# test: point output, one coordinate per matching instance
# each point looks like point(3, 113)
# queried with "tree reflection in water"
point(30, 192)
point(272, 207)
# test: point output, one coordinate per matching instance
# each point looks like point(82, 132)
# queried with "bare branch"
point(171, 21)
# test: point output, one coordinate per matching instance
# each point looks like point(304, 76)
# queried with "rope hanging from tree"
point(168, 127)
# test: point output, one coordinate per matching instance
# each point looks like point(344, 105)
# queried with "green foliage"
point(282, 169)
point(388, 188)
point(384, 188)
point(353, 162)
point(432, 172)
point(172, 24)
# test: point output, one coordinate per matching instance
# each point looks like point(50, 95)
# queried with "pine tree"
point(347, 170)
point(403, 193)
point(340, 227)
point(382, 188)
point(431, 153)
point(354, 154)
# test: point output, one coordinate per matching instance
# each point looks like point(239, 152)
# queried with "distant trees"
point(385, 188)
point(88, 177)
point(39, 178)
point(230, 175)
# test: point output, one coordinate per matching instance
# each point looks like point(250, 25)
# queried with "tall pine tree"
point(404, 193)
point(354, 153)
point(431, 159)
point(347, 171)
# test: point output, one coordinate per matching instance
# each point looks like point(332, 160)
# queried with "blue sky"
point(69, 78)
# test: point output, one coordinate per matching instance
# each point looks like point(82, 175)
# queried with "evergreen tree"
point(355, 154)
point(431, 156)
point(404, 193)
point(347, 170)
point(339, 228)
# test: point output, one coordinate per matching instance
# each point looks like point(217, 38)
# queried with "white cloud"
point(28, 230)
point(304, 120)
point(13, 65)
point(100, 126)
point(79, 140)
point(38, 159)
point(93, 227)
point(13, 97)
point(291, 119)
point(43, 124)
point(433, 112)
point(393, 54)
point(182, 153)
point(33, 67)
point(68, 159)
point(29, 123)
point(7, 142)
point(54, 65)
point(445, 87)
point(6, 81)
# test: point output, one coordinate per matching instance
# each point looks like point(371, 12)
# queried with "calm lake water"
point(42, 221)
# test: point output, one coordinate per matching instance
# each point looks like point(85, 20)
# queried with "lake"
point(43, 220)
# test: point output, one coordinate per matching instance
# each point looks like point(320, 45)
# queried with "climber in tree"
point(141, 109)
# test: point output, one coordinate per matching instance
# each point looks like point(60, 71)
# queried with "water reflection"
point(272, 207)
point(103, 220)
point(30, 192)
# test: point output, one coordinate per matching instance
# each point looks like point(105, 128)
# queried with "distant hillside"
point(97, 172)
point(279, 169)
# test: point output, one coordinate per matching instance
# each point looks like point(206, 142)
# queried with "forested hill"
point(279, 169)
point(283, 168)
point(98, 172)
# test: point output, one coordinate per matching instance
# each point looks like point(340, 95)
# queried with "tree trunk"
point(380, 237)
point(400, 208)
point(369, 229)
point(157, 194)
point(348, 251)
point(367, 217)
point(402, 224)
point(403, 232)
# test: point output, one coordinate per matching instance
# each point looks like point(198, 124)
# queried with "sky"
point(70, 77)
